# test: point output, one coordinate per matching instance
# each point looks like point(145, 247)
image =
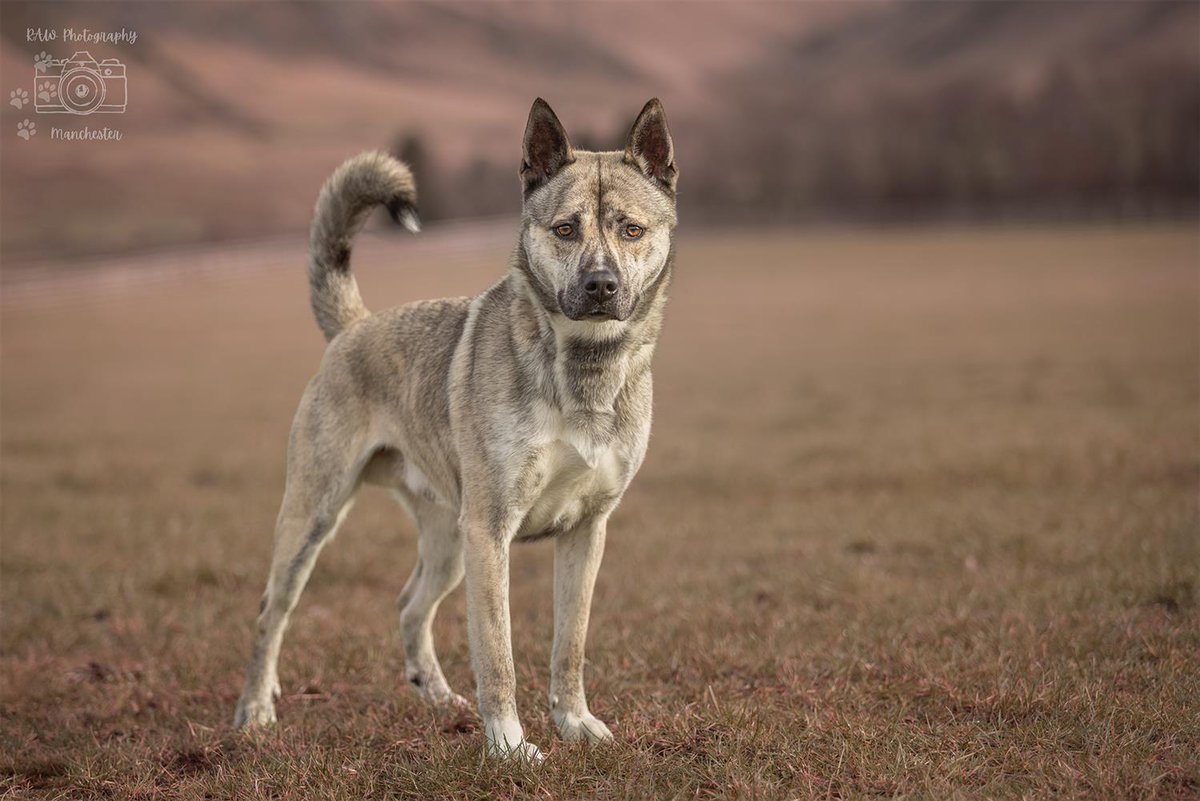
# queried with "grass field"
point(920, 518)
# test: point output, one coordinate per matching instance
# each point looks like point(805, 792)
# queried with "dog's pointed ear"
point(546, 149)
point(650, 148)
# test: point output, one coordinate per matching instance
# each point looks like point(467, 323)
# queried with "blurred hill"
point(781, 111)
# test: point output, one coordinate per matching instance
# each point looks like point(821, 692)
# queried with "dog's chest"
point(576, 474)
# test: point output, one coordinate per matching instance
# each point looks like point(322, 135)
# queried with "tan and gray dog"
point(518, 414)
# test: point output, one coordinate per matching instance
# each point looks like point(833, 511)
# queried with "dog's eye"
point(564, 231)
point(633, 231)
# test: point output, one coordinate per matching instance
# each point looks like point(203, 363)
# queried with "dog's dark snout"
point(600, 285)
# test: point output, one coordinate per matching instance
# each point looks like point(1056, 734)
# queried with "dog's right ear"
point(546, 149)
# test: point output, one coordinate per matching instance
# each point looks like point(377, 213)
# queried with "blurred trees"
point(1109, 140)
point(1120, 140)
point(410, 148)
point(480, 188)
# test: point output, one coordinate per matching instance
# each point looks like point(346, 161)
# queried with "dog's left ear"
point(650, 148)
point(546, 149)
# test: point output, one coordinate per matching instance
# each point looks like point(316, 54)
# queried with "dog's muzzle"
point(596, 297)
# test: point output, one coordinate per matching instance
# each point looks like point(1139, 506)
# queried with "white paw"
point(438, 693)
point(451, 700)
point(447, 699)
point(581, 728)
point(506, 740)
point(254, 713)
point(524, 751)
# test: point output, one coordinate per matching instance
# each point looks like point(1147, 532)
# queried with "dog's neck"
point(585, 367)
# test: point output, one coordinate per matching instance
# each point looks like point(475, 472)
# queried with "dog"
point(519, 414)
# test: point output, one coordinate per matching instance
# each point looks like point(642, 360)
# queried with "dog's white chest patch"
point(576, 471)
point(588, 447)
point(588, 434)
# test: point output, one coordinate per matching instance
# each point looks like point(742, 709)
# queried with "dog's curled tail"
point(356, 187)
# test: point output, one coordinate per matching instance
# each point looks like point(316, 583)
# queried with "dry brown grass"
point(919, 519)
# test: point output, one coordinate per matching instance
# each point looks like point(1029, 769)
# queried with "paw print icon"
point(26, 130)
point(41, 61)
point(18, 98)
point(47, 91)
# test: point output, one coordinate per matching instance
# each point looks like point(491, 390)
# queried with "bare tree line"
point(1105, 141)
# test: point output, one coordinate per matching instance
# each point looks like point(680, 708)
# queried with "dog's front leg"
point(489, 629)
point(577, 555)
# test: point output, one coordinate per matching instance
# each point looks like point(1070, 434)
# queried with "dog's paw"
point(524, 751)
point(436, 691)
point(506, 740)
point(451, 700)
point(445, 699)
point(581, 728)
point(253, 714)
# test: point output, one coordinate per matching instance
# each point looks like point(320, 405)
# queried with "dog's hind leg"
point(439, 570)
point(318, 496)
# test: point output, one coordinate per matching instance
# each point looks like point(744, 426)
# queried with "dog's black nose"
point(600, 285)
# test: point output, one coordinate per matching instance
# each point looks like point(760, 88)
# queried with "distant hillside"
point(977, 108)
point(781, 111)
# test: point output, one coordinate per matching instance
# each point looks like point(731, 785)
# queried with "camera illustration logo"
point(79, 85)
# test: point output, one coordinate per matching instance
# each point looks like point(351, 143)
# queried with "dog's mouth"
point(593, 312)
point(601, 314)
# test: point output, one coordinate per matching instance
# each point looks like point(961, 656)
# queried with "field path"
point(56, 281)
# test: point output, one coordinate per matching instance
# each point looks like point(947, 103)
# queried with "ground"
point(919, 518)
